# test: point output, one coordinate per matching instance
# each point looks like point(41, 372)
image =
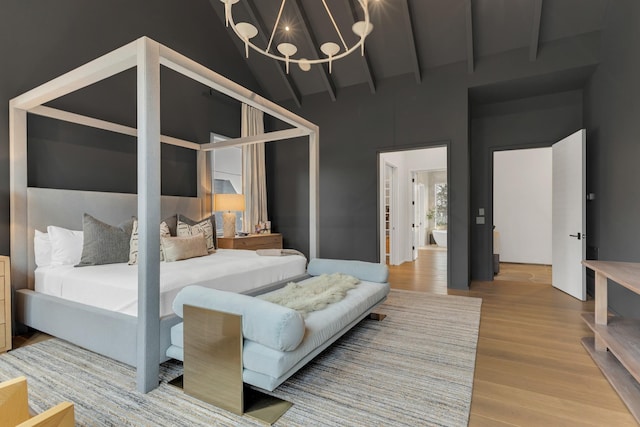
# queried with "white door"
point(569, 215)
point(422, 216)
point(415, 224)
point(419, 215)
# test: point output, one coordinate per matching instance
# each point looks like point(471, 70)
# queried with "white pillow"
point(66, 245)
point(42, 249)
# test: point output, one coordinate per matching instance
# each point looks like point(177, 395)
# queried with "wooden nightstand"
point(5, 304)
point(253, 242)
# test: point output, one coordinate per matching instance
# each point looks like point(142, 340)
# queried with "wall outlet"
point(479, 220)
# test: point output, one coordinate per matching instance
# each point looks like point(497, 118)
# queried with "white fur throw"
point(314, 294)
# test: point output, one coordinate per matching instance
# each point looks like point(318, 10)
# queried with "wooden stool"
point(14, 408)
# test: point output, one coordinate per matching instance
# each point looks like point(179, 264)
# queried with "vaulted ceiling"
point(409, 37)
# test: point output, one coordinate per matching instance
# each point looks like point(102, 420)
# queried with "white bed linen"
point(115, 286)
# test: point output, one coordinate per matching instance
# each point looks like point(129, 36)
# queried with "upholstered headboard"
point(65, 208)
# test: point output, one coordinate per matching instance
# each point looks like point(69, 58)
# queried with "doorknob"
point(578, 236)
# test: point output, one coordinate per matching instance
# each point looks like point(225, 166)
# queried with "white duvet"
point(115, 286)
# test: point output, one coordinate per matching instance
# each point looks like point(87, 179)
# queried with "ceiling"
point(409, 37)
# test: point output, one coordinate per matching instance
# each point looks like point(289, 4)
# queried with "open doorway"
point(522, 214)
point(430, 207)
point(413, 202)
point(550, 204)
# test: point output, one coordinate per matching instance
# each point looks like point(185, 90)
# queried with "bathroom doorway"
point(420, 194)
point(430, 206)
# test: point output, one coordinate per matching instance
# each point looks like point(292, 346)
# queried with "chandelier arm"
point(302, 60)
point(275, 26)
point(324, 2)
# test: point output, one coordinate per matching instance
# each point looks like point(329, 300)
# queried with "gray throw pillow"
point(172, 223)
point(104, 243)
point(190, 222)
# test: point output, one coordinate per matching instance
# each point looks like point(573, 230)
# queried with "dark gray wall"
point(403, 114)
point(41, 41)
point(56, 37)
point(612, 116)
point(287, 164)
point(353, 130)
point(526, 123)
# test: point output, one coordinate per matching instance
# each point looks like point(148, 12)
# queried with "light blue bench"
point(278, 341)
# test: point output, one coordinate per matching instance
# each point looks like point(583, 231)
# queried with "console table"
point(620, 336)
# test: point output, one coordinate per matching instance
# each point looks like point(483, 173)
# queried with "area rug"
point(415, 367)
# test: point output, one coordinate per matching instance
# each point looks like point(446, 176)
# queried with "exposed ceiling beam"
point(313, 44)
point(535, 30)
point(262, 33)
point(413, 51)
point(366, 64)
point(469, 25)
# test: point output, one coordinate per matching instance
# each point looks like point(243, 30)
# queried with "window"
point(441, 204)
point(227, 176)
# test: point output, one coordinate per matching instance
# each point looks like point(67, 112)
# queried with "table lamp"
point(229, 204)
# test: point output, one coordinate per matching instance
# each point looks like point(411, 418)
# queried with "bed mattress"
point(115, 286)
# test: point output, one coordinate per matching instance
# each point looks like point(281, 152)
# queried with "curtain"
point(254, 179)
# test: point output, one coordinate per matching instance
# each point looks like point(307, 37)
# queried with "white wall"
point(522, 190)
point(406, 162)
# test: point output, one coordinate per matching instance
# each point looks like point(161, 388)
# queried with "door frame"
point(380, 184)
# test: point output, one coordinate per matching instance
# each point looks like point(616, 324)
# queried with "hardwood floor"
point(531, 369)
point(524, 273)
point(28, 339)
point(428, 273)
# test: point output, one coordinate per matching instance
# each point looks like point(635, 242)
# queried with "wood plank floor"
point(428, 273)
point(531, 369)
point(524, 273)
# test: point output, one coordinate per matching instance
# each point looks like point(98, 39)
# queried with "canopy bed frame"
point(147, 56)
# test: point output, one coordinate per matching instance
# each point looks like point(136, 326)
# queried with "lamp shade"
point(228, 202)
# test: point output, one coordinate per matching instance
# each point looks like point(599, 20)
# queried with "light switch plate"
point(481, 211)
point(479, 220)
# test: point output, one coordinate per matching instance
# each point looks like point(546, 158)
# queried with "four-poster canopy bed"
point(137, 340)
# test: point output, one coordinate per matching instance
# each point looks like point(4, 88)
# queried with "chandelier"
point(246, 31)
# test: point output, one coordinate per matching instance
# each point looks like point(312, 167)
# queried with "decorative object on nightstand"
point(252, 242)
point(229, 204)
point(5, 304)
point(263, 227)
